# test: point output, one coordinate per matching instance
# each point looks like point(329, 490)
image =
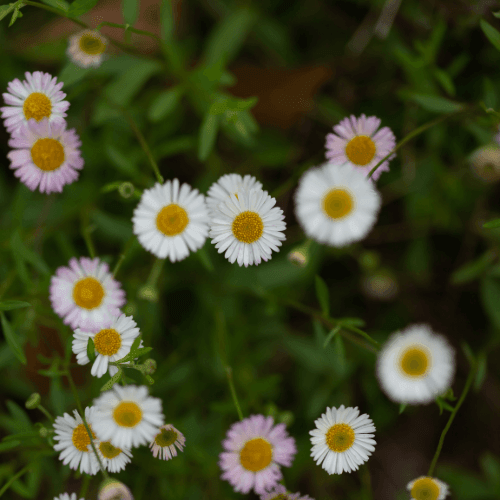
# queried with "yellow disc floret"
point(256, 454)
point(340, 437)
point(166, 437)
point(425, 488)
point(338, 203)
point(81, 438)
point(88, 293)
point(107, 342)
point(108, 450)
point(127, 414)
point(248, 227)
point(172, 220)
point(47, 154)
point(37, 106)
point(415, 361)
point(91, 44)
point(360, 150)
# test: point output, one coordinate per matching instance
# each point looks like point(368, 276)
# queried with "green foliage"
point(79, 7)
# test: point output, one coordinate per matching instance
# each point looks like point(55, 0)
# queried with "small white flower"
point(74, 441)
point(38, 97)
point(427, 488)
point(164, 441)
point(229, 184)
point(111, 344)
point(336, 204)
point(113, 458)
point(248, 227)
point(127, 416)
point(66, 496)
point(86, 48)
point(342, 440)
point(415, 365)
point(170, 221)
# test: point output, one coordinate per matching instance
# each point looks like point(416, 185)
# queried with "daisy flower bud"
point(33, 401)
point(111, 489)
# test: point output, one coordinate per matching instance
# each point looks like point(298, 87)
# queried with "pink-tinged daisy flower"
point(164, 441)
point(87, 48)
point(38, 97)
point(46, 156)
point(85, 294)
point(111, 489)
point(255, 449)
point(359, 142)
point(281, 493)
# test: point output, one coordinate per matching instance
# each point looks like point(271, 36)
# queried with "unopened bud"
point(33, 401)
point(381, 285)
point(485, 162)
point(298, 257)
point(111, 489)
point(148, 292)
point(286, 417)
point(149, 366)
point(126, 189)
point(43, 431)
point(369, 261)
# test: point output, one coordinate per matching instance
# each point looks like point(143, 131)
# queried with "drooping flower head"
point(86, 48)
point(37, 97)
point(248, 227)
point(111, 344)
point(164, 443)
point(415, 365)
point(112, 489)
point(45, 155)
point(342, 440)
point(427, 488)
point(127, 416)
point(74, 441)
point(359, 142)
point(114, 459)
point(85, 294)
point(254, 450)
point(170, 221)
point(336, 204)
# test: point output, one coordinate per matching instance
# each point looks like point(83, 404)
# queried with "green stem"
point(155, 272)
point(229, 373)
point(45, 412)
point(82, 414)
point(86, 230)
point(363, 334)
point(129, 28)
point(6, 486)
point(85, 486)
point(122, 256)
point(468, 383)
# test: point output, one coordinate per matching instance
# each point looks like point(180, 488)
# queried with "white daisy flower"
point(127, 416)
point(164, 441)
point(111, 344)
point(343, 440)
point(38, 97)
point(74, 441)
point(229, 184)
point(112, 458)
point(86, 48)
point(67, 496)
point(85, 294)
point(247, 227)
point(415, 365)
point(427, 488)
point(336, 204)
point(171, 221)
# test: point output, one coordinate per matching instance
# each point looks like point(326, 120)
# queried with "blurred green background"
point(309, 64)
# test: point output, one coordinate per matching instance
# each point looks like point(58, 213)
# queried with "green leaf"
point(8, 445)
point(58, 4)
point(79, 7)
point(481, 371)
point(112, 381)
point(496, 14)
point(490, 297)
point(91, 350)
point(323, 295)
point(208, 134)
point(71, 74)
point(356, 322)
point(473, 270)
point(28, 255)
point(435, 104)
point(332, 334)
point(11, 340)
point(402, 407)
point(489, 93)
point(8, 305)
point(164, 104)
point(242, 104)
point(134, 354)
point(15, 15)
point(130, 10)
point(491, 224)
point(491, 33)
point(5, 10)
point(137, 342)
point(445, 81)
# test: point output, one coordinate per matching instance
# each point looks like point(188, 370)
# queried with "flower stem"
point(46, 412)
point(85, 486)
point(6, 486)
point(122, 256)
point(468, 383)
point(229, 373)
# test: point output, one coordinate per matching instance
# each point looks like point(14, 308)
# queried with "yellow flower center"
point(91, 44)
point(107, 342)
point(340, 437)
point(425, 489)
point(172, 220)
point(88, 293)
point(166, 437)
point(37, 106)
point(338, 203)
point(256, 454)
point(47, 154)
point(360, 150)
point(127, 414)
point(248, 227)
point(108, 450)
point(81, 438)
point(415, 361)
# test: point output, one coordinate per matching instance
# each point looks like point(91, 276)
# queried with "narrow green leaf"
point(166, 20)
point(15, 15)
point(11, 340)
point(8, 305)
point(135, 345)
point(27, 254)
point(164, 104)
point(491, 33)
point(242, 104)
point(130, 10)
point(52, 373)
point(481, 371)
point(491, 224)
point(79, 7)
point(112, 381)
point(323, 295)
point(8, 445)
point(402, 407)
point(357, 322)
point(58, 4)
point(439, 402)
point(489, 93)
point(490, 297)
point(5, 10)
point(91, 350)
point(208, 134)
point(435, 104)
point(445, 81)
point(497, 15)
point(332, 334)
point(71, 74)
point(205, 260)
point(474, 269)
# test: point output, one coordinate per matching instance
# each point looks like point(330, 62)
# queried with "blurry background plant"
point(254, 87)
